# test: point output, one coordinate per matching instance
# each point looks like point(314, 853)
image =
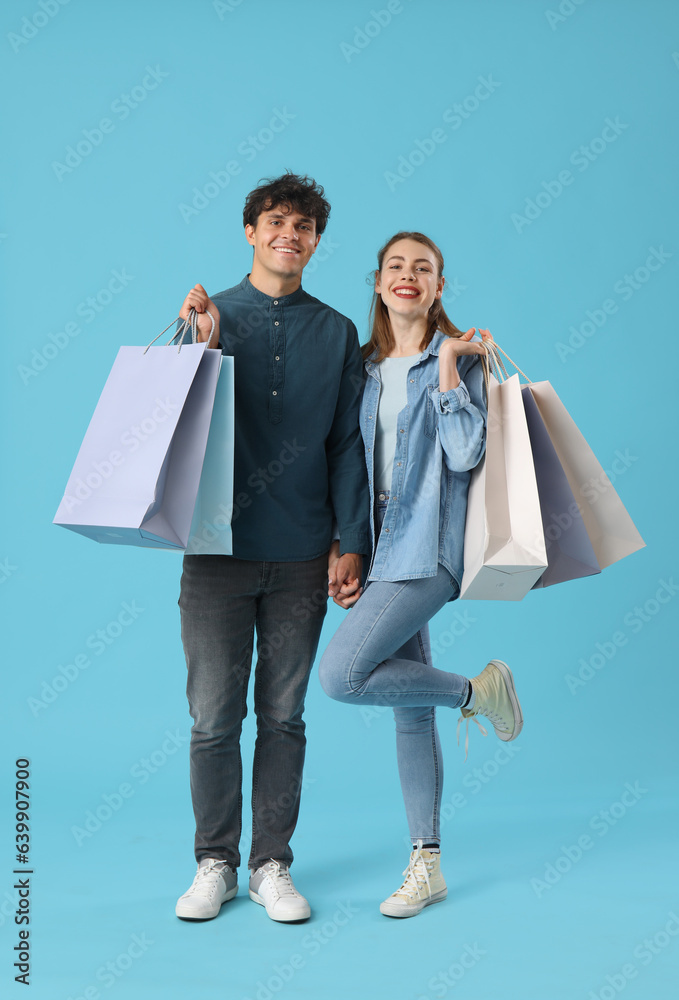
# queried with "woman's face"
point(408, 281)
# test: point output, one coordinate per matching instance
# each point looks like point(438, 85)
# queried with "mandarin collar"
point(263, 299)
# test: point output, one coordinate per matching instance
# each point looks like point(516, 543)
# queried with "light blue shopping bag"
point(211, 526)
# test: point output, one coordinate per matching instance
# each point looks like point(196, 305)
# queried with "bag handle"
point(493, 364)
point(190, 323)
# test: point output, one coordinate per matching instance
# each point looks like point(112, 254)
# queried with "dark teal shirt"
point(299, 457)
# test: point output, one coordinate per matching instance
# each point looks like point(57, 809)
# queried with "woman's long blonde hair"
point(381, 335)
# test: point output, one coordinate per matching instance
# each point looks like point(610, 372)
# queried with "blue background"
point(356, 96)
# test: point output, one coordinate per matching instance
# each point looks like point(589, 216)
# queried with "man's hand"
point(199, 300)
point(344, 576)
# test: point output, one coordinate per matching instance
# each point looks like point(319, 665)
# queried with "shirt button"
point(369, 417)
point(398, 463)
point(276, 323)
point(274, 393)
point(402, 431)
point(412, 380)
point(275, 302)
point(277, 358)
point(387, 530)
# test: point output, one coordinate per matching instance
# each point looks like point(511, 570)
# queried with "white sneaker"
point(495, 697)
point(272, 886)
point(424, 884)
point(215, 883)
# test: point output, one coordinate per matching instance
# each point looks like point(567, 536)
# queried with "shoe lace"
point(416, 876)
point(468, 719)
point(280, 878)
point(206, 878)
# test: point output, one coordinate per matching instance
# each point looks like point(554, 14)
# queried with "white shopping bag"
point(504, 545)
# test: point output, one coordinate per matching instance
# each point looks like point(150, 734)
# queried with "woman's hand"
point(451, 349)
point(344, 576)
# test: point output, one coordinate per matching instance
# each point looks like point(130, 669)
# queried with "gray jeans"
point(223, 601)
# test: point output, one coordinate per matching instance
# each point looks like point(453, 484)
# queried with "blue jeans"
point(380, 655)
point(222, 601)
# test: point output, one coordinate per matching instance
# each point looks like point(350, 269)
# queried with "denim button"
point(381, 496)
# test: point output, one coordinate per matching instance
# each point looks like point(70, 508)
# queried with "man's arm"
point(348, 481)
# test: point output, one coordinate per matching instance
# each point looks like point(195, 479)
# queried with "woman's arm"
point(461, 405)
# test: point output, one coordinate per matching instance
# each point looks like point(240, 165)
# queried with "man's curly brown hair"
point(297, 193)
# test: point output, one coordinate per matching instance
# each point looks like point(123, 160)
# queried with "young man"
point(298, 466)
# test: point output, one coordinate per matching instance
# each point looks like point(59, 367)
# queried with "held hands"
point(344, 576)
point(199, 300)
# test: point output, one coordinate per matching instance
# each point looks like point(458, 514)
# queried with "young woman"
point(423, 418)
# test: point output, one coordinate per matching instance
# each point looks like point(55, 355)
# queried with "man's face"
point(284, 240)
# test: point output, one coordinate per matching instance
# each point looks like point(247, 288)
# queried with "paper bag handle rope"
point(187, 324)
point(493, 364)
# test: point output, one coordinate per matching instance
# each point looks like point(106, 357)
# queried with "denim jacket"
point(441, 437)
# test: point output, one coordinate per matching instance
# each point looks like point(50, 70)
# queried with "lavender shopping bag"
point(611, 530)
point(135, 478)
point(569, 550)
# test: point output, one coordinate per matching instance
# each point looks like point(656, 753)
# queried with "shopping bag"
point(136, 475)
point(569, 551)
point(504, 544)
point(611, 530)
point(210, 532)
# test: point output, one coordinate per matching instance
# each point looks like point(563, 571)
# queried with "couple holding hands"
point(375, 446)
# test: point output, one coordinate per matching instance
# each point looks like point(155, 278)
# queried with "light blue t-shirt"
point(393, 397)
